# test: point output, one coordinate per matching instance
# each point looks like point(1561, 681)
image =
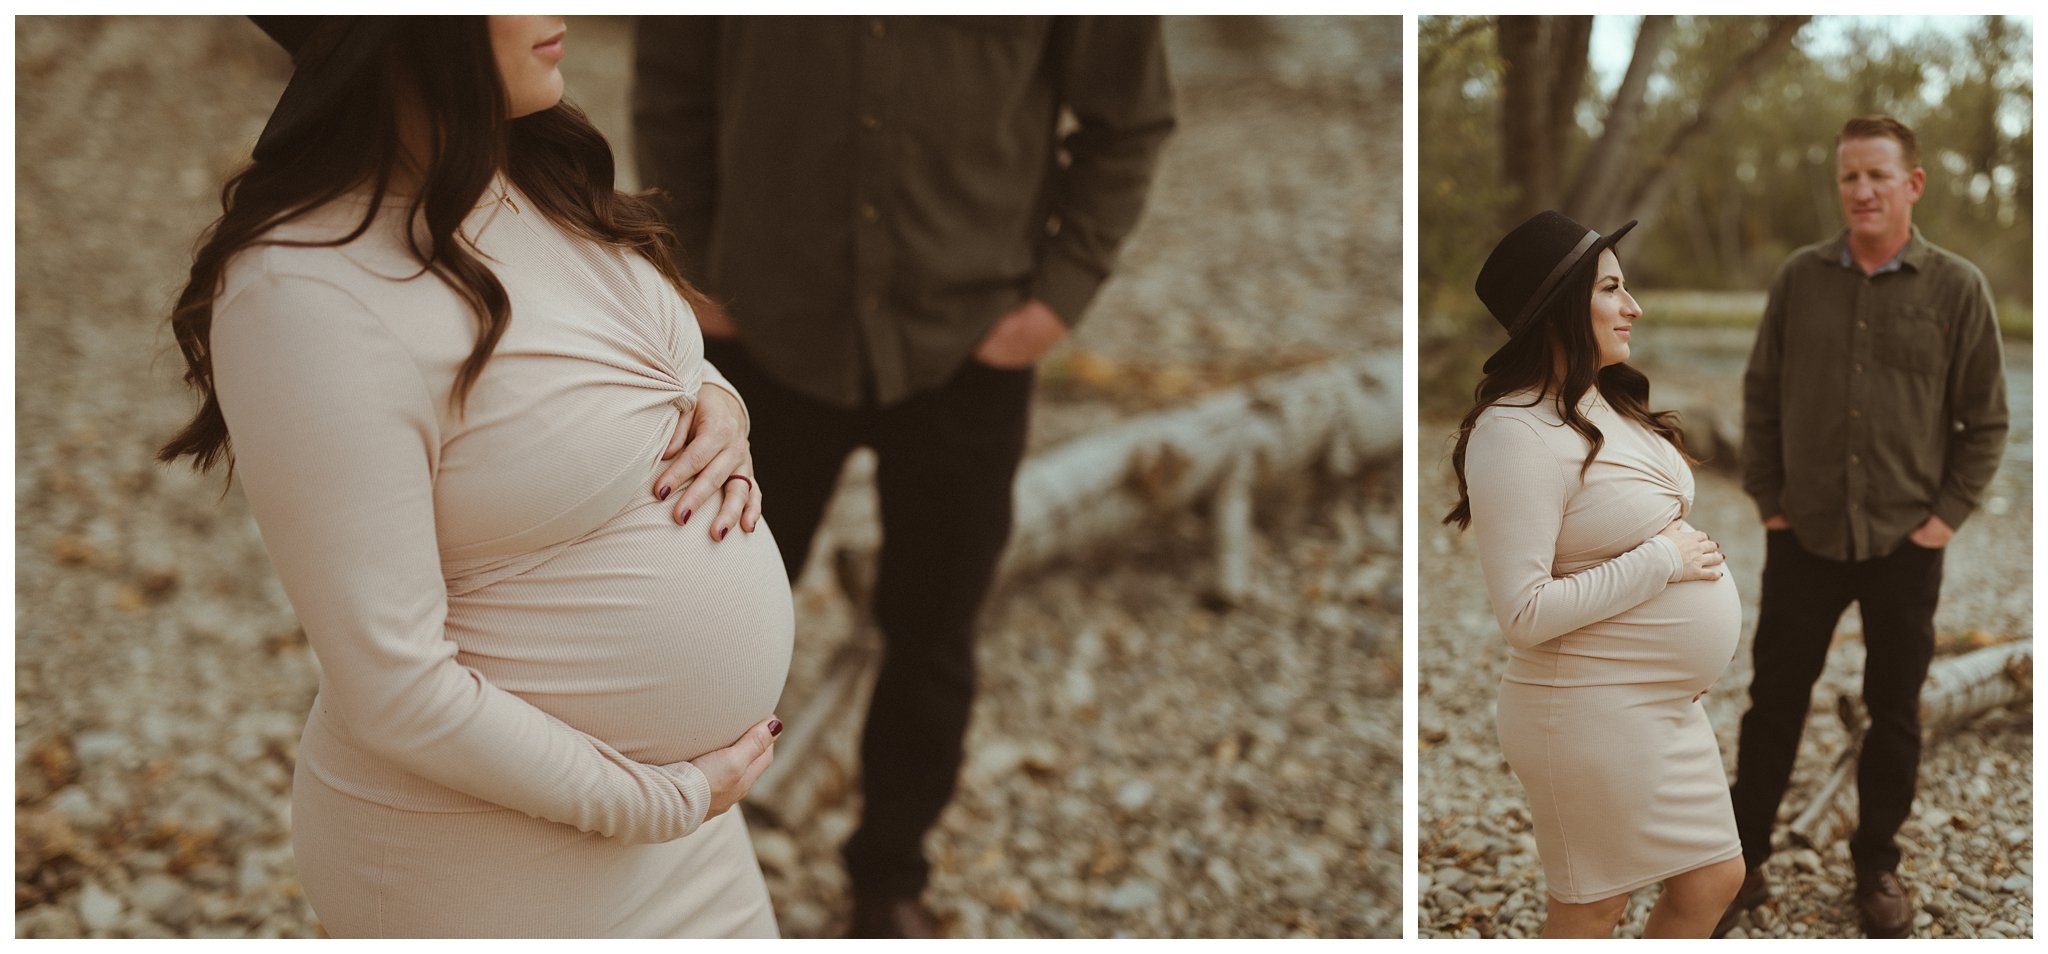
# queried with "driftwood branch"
point(1958, 689)
point(1340, 417)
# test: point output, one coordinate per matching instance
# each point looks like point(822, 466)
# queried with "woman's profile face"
point(529, 54)
point(1614, 310)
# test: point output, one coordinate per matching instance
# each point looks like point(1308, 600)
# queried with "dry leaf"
point(53, 756)
point(72, 551)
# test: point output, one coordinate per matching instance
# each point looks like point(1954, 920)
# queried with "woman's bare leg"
point(1592, 919)
point(1692, 902)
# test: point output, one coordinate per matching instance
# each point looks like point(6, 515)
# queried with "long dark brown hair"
point(444, 67)
point(1565, 327)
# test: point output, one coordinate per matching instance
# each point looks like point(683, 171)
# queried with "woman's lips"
point(552, 46)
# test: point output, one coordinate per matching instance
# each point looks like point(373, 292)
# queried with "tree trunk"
point(1524, 79)
point(1544, 71)
point(1571, 40)
point(1594, 199)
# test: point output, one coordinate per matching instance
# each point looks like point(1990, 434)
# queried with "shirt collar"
point(1909, 255)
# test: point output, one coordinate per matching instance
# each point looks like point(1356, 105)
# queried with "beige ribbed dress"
point(1596, 711)
point(520, 650)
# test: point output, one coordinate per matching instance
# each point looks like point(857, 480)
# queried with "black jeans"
point(946, 460)
point(1804, 595)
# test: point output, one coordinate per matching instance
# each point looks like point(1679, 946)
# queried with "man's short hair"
point(1883, 127)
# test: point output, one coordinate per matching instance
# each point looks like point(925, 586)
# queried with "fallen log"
point(1099, 487)
point(1958, 689)
point(1342, 416)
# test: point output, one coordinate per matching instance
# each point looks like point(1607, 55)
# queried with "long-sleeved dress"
point(1597, 711)
point(520, 650)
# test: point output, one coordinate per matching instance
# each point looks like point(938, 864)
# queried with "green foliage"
point(2016, 320)
point(1461, 189)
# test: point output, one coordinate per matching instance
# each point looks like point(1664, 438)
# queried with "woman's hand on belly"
point(711, 450)
point(1702, 556)
point(733, 769)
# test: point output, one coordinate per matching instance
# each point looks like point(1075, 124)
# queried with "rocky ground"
point(1142, 763)
point(1969, 845)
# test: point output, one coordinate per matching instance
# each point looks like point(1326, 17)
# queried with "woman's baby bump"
point(1684, 636)
point(650, 636)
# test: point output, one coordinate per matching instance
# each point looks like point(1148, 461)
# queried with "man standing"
point(1873, 418)
point(898, 217)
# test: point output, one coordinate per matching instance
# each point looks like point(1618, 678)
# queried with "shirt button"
point(869, 212)
point(871, 302)
point(1859, 369)
point(1854, 459)
point(1855, 413)
point(1860, 325)
point(876, 29)
point(871, 123)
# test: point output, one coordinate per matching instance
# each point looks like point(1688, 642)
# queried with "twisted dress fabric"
point(520, 649)
point(1597, 712)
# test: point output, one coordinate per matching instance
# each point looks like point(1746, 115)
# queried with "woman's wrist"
point(1674, 560)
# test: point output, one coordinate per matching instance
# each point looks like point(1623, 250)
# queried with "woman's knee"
point(1710, 887)
point(1605, 909)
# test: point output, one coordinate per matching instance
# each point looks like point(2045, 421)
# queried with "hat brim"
point(1588, 259)
point(348, 51)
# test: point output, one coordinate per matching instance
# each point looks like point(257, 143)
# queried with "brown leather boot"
point(891, 916)
point(1887, 912)
point(1755, 890)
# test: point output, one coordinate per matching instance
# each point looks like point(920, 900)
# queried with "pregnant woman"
point(452, 361)
point(1618, 613)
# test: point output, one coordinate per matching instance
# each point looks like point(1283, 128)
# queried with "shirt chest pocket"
point(1913, 338)
point(993, 66)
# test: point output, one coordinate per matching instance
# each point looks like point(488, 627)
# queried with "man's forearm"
point(1763, 452)
point(675, 125)
point(1768, 494)
point(1978, 417)
point(1113, 78)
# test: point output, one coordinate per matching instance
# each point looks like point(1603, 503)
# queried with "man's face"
point(1877, 189)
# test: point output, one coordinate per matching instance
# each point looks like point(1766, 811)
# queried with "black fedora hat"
point(1529, 267)
point(330, 56)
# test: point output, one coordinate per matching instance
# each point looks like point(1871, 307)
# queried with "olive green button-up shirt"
point(1872, 402)
point(868, 195)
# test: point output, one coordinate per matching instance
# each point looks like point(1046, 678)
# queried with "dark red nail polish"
point(661, 494)
point(722, 533)
point(774, 727)
point(686, 515)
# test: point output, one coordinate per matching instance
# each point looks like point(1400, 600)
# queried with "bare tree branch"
point(1649, 193)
